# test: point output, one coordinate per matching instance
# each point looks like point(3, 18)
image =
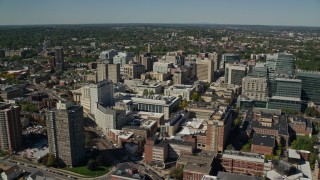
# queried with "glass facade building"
point(310, 85)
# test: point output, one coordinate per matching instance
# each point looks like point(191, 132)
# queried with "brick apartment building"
point(243, 163)
point(195, 166)
point(300, 125)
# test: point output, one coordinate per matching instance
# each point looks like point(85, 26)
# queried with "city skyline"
point(246, 12)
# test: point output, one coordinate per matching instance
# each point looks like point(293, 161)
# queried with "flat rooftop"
point(253, 157)
point(200, 162)
point(285, 98)
point(263, 140)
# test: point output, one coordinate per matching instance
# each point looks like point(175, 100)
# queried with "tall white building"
point(108, 118)
point(162, 67)
point(101, 93)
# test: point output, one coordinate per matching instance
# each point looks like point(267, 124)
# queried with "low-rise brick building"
point(263, 144)
point(243, 163)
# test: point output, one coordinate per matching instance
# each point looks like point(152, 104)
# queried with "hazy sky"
point(263, 12)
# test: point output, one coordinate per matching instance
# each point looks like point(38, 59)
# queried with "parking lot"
point(36, 151)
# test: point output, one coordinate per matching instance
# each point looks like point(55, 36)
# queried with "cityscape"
point(157, 98)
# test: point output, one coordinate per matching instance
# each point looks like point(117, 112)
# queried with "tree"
point(183, 104)
point(195, 96)
point(88, 139)
point(145, 92)
point(312, 111)
point(247, 146)
point(237, 122)
point(92, 165)
point(177, 173)
point(151, 93)
point(51, 160)
point(29, 107)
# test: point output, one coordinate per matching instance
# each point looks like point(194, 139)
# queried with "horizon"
point(228, 12)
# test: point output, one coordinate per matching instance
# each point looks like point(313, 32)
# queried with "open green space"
point(83, 170)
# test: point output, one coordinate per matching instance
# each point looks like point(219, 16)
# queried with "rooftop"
point(253, 157)
point(263, 140)
point(200, 162)
point(233, 176)
point(285, 98)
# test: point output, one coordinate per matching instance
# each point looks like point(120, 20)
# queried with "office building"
point(280, 64)
point(185, 91)
point(102, 71)
point(114, 72)
point(144, 88)
point(179, 77)
point(108, 71)
point(108, 54)
point(288, 87)
point(101, 93)
point(234, 73)
point(216, 58)
point(162, 67)
point(59, 56)
point(205, 70)
point(229, 58)
point(108, 118)
point(281, 102)
point(156, 104)
point(122, 58)
point(256, 88)
point(10, 127)
point(147, 60)
point(133, 71)
point(310, 85)
point(65, 129)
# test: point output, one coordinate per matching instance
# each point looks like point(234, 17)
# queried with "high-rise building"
point(102, 71)
point(108, 71)
point(288, 87)
point(122, 58)
point(310, 85)
point(108, 54)
point(147, 60)
point(108, 118)
point(219, 126)
point(65, 129)
point(10, 127)
point(133, 71)
point(59, 56)
point(101, 93)
point(216, 58)
point(229, 58)
point(280, 64)
point(256, 88)
point(205, 70)
point(114, 72)
point(162, 67)
point(234, 73)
